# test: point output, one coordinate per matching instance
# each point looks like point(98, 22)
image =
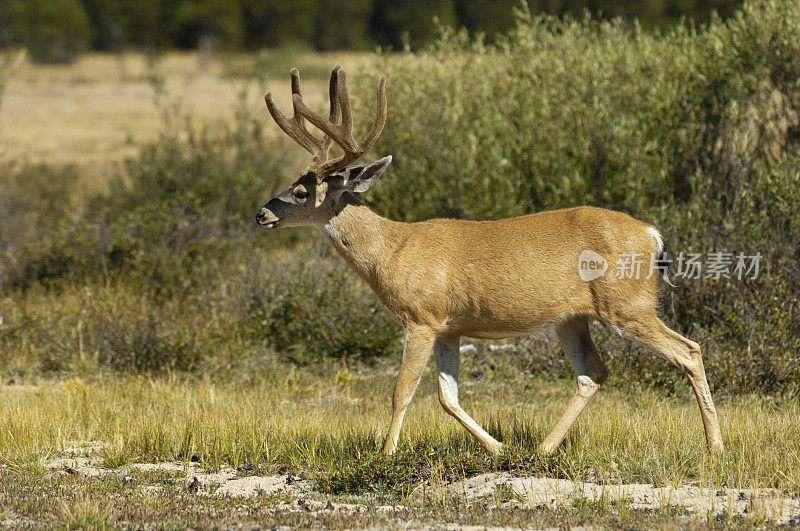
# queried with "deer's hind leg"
point(683, 352)
point(590, 373)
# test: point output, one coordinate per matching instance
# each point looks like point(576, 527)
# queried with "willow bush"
point(582, 111)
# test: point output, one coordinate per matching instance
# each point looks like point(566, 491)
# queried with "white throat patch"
point(328, 230)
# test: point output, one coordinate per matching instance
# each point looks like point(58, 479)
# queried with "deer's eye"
point(300, 192)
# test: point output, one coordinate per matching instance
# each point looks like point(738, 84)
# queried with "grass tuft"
point(87, 513)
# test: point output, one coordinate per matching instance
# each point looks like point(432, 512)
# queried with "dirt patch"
point(226, 481)
point(10, 519)
point(537, 491)
point(297, 494)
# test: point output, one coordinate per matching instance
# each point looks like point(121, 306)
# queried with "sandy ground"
point(298, 494)
point(536, 491)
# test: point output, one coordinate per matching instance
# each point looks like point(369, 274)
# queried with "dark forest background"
point(59, 30)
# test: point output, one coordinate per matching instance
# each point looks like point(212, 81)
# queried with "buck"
point(442, 279)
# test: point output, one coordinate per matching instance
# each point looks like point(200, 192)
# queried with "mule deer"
point(442, 279)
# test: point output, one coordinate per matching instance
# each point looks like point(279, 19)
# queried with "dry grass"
point(325, 427)
point(328, 421)
point(330, 425)
point(102, 109)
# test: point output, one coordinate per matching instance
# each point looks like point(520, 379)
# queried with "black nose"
point(260, 215)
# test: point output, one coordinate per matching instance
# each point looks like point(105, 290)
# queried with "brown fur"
point(509, 276)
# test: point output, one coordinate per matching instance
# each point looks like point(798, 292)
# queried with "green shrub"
point(750, 328)
point(33, 199)
point(83, 330)
point(141, 344)
point(117, 342)
point(580, 111)
point(309, 308)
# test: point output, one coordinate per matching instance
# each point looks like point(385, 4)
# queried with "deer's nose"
point(260, 215)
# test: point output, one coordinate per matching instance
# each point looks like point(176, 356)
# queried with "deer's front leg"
point(417, 352)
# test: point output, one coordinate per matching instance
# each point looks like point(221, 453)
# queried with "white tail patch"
point(659, 251)
point(658, 238)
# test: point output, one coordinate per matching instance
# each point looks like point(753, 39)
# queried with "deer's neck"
point(363, 238)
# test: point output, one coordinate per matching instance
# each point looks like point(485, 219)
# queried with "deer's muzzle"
point(266, 218)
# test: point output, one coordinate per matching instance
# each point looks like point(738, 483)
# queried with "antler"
point(341, 133)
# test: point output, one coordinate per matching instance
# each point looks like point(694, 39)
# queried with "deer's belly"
point(494, 330)
point(500, 335)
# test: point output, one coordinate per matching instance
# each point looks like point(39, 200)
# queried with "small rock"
point(245, 467)
point(420, 472)
point(498, 348)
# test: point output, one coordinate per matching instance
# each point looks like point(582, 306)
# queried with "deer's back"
point(514, 274)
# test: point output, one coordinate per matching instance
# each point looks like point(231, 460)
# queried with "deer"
point(444, 279)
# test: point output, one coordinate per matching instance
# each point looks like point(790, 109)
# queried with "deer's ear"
point(360, 179)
